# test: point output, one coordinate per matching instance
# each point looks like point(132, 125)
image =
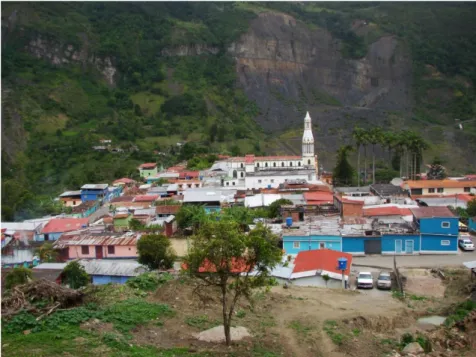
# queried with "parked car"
point(466, 244)
point(365, 280)
point(384, 281)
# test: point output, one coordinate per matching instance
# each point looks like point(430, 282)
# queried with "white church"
point(256, 172)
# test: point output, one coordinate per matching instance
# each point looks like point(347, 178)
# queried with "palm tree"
point(359, 136)
point(375, 137)
point(416, 146)
point(47, 253)
point(389, 139)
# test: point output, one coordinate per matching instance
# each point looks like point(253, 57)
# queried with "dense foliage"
point(75, 276)
point(155, 252)
point(17, 276)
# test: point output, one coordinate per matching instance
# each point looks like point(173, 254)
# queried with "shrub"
point(155, 251)
point(75, 275)
point(148, 281)
point(17, 276)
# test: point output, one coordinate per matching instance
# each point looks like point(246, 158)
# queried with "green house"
point(121, 221)
point(148, 169)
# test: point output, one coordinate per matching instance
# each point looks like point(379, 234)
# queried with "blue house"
point(293, 244)
point(94, 192)
point(385, 244)
point(472, 224)
point(438, 230)
point(115, 271)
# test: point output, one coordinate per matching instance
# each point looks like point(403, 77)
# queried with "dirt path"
point(309, 308)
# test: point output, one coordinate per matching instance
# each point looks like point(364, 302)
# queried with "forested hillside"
point(222, 77)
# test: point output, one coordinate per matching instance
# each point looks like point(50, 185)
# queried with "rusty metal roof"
point(105, 238)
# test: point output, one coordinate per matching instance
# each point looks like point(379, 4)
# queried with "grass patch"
point(202, 322)
point(460, 312)
point(240, 314)
point(417, 298)
point(300, 328)
point(148, 102)
point(330, 326)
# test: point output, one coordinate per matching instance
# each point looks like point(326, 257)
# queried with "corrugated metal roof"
point(261, 200)
point(145, 212)
point(94, 186)
point(50, 266)
point(114, 267)
point(105, 238)
point(429, 212)
point(71, 193)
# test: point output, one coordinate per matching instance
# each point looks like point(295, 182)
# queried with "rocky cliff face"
point(59, 54)
point(289, 68)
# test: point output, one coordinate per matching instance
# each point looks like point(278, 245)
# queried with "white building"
point(252, 171)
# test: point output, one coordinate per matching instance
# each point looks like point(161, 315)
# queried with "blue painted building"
point(109, 279)
point(401, 244)
point(472, 224)
point(439, 230)
point(293, 244)
point(94, 192)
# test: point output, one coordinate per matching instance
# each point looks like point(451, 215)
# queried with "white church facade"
point(252, 171)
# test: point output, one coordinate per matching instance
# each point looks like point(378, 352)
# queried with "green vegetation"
point(343, 172)
point(75, 275)
point(300, 329)
point(222, 247)
point(148, 281)
point(202, 322)
point(17, 276)
point(155, 252)
point(331, 328)
point(460, 312)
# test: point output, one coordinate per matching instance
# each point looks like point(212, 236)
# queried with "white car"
point(365, 280)
point(466, 244)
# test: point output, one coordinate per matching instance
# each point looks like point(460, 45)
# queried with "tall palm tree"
point(359, 136)
point(416, 146)
point(389, 140)
point(375, 137)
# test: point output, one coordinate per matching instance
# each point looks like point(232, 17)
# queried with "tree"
point(135, 224)
point(359, 137)
point(242, 215)
point(343, 172)
point(436, 171)
point(190, 216)
point(75, 275)
point(17, 276)
point(47, 253)
point(375, 137)
point(155, 252)
point(471, 208)
point(223, 256)
point(274, 209)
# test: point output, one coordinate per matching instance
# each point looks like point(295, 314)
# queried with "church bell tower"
point(308, 156)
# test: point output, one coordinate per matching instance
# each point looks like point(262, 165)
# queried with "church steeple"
point(307, 138)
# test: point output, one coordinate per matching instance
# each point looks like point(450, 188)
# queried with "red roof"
point(177, 168)
point(167, 209)
point(148, 165)
point(191, 174)
point(387, 211)
point(321, 259)
point(124, 180)
point(317, 197)
point(60, 225)
point(239, 266)
point(430, 212)
point(145, 198)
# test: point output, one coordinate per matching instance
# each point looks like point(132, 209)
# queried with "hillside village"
point(328, 234)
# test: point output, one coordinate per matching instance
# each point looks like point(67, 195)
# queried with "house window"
point(241, 165)
point(282, 164)
point(445, 242)
point(266, 165)
point(467, 189)
point(259, 181)
point(242, 174)
point(445, 224)
point(228, 184)
point(272, 180)
point(257, 165)
point(290, 164)
point(431, 190)
point(309, 162)
point(299, 163)
point(233, 183)
point(84, 249)
point(296, 245)
point(322, 245)
point(111, 249)
point(441, 190)
point(274, 164)
point(74, 202)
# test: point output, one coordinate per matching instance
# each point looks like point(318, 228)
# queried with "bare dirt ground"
point(423, 282)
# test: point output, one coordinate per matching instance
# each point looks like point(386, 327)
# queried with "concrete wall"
point(120, 251)
point(145, 172)
point(448, 191)
point(180, 245)
point(310, 243)
point(51, 237)
point(74, 252)
point(274, 181)
point(390, 246)
point(438, 244)
point(312, 281)
point(435, 225)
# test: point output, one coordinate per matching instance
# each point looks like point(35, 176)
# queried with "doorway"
point(98, 252)
point(398, 246)
point(409, 247)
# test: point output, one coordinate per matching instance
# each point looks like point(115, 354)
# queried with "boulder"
point(413, 348)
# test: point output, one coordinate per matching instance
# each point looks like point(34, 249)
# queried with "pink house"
point(85, 244)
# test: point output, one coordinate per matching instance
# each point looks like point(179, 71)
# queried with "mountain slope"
point(225, 77)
